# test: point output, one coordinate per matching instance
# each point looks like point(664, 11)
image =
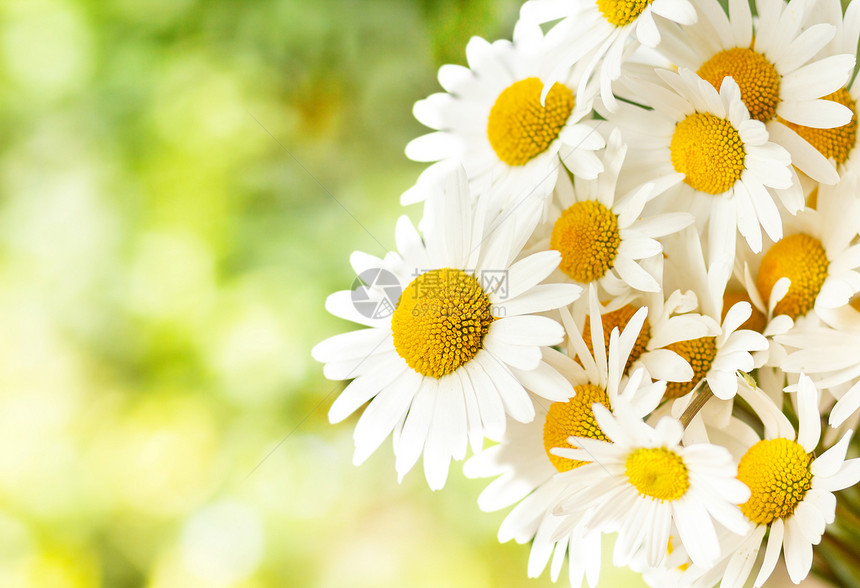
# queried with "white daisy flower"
point(645, 481)
point(491, 120)
point(718, 357)
point(816, 255)
point(766, 321)
point(668, 322)
point(456, 352)
point(837, 144)
point(725, 168)
point(791, 490)
point(525, 465)
point(600, 34)
point(601, 235)
point(772, 60)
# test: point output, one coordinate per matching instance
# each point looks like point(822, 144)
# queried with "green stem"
point(700, 398)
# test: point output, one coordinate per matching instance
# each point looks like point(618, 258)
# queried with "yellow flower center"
point(756, 77)
point(573, 418)
point(519, 127)
point(621, 12)
point(586, 235)
point(709, 152)
point(440, 321)
point(778, 475)
point(700, 353)
point(619, 318)
point(838, 142)
point(756, 322)
point(657, 472)
point(801, 259)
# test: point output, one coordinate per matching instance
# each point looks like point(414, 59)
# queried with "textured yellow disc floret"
point(573, 418)
point(586, 235)
point(756, 77)
point(519, 128)
point(440, 321)
point(700, 353)
point(621, 12)
point(657, 472)
point(619, 318)
point(777, 473)
point(800, 258)
point(709, 152)
point(838, 142)
point(756, 322)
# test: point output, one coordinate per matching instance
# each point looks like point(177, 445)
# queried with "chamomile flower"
point(667, 323)
point(525, 465)
point(837, 144)
point(816, 255)
point(644, 482)
point(726, 170)
point(601, 235)
point(791, 491)
point(491, 119)
point(772, 60)
point(718, 357)
point(456, 352)
point(600, 34)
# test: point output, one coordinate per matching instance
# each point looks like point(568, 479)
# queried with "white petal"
point(809, 427)
point(545, 382)
point(365, 387)
point(516, 400)
point(817, 79)
point(525, 357)
point(415, 428)
point(540, 298)
point(382, 414)
point(525, 273)
point(820, 114)
point(528, 330)
point(431, 147)
point(771, 554)
point(633, 274)
point(803, 155)
point(798, 552)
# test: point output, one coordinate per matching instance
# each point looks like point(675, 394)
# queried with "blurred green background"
point(163, 267)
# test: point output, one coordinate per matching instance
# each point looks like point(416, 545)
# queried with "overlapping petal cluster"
point(637, 276)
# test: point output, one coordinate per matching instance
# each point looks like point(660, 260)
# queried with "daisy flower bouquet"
point(632, 300)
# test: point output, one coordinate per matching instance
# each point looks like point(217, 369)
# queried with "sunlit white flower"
point(644, 482)
point(525, 464)
point(601, 234)
point(817, 255)
point(456, 353)
point(837, 144)
point(725, 169)
point(491, 120)
point(791, 492)
point(772, 60)
point(716, 358)
point(601, 34)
